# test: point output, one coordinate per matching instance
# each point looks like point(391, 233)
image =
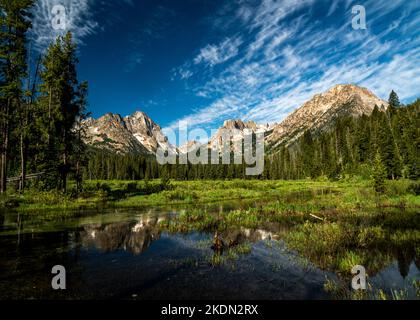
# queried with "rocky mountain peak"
point(141, 124)
point(135, 133)
point(343, 93)
point(320, 112)
point(111, 119)
point(189, 146)
point(139, 133)
point(237, 129)
point(234, 124)
point(239, 125)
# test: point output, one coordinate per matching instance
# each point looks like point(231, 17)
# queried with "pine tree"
point(394, 102)
point(379, 174)
point(61, 100)
point(79, 146)
point(308, 152)
point(165, 180)
point(27, 131)
point(14, 25)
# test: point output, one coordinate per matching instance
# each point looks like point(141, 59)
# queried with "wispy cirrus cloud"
point(78, 20)
point(185, 73)
point(288, 55)
point(212, 55)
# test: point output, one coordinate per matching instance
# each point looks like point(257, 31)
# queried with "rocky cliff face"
point(136, 134)
point(319, 113)
point(190, 146)
point(139, 134)
point(236, 130)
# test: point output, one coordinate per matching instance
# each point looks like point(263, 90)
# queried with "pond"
point(125, 254)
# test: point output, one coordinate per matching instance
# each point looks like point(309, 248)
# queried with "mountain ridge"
point(321, 111)
point(138, 133)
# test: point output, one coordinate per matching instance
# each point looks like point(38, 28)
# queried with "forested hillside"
point(350, 147)
point(352, 144)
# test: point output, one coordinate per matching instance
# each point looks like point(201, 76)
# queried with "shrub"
point(406, 238)
point(165, 180)
point(414, 188)
point(132, 187)
point(244, 218)
point(348, 261)
point(370, 236)
point(398, 187)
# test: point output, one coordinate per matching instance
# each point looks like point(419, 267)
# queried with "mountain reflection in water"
point(134, 237)
point(120, 253)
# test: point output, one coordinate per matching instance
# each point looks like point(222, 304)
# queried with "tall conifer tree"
point(14, 24)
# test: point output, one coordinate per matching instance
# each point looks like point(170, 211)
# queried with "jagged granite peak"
point(141, 123)
point(136, 133)
point(189, 147)
point(237, 130)
point(234, 124)
point(319, 113)
point(241, 125)
point(140, 134)
point(145, 130)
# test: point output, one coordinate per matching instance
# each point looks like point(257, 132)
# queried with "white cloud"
point(215, 54)
point(218, 109)
point(78, 21)
point(400, 74)
point(185, 73)
point(287, 61)
point(333, 7)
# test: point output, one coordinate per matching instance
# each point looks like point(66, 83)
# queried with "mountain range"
point(138, 133)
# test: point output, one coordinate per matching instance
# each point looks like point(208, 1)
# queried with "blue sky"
point(206, 61)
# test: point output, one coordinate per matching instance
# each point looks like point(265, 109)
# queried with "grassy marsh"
point(304, 195)
point(333, 225)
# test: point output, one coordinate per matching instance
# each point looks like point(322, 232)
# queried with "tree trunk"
point(3, 168)
point(49, 114)
point(64, 169)
point(3, 157)
point(78, 184)
point(22, 163)
point(23, 141)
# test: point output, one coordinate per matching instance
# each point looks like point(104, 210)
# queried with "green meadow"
point(293, 196)
point(332, 225)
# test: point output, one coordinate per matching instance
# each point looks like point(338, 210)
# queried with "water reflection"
point(29, 248)
point(134, 236)
point(233, 237)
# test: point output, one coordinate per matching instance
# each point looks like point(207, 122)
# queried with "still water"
point(122, 254)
